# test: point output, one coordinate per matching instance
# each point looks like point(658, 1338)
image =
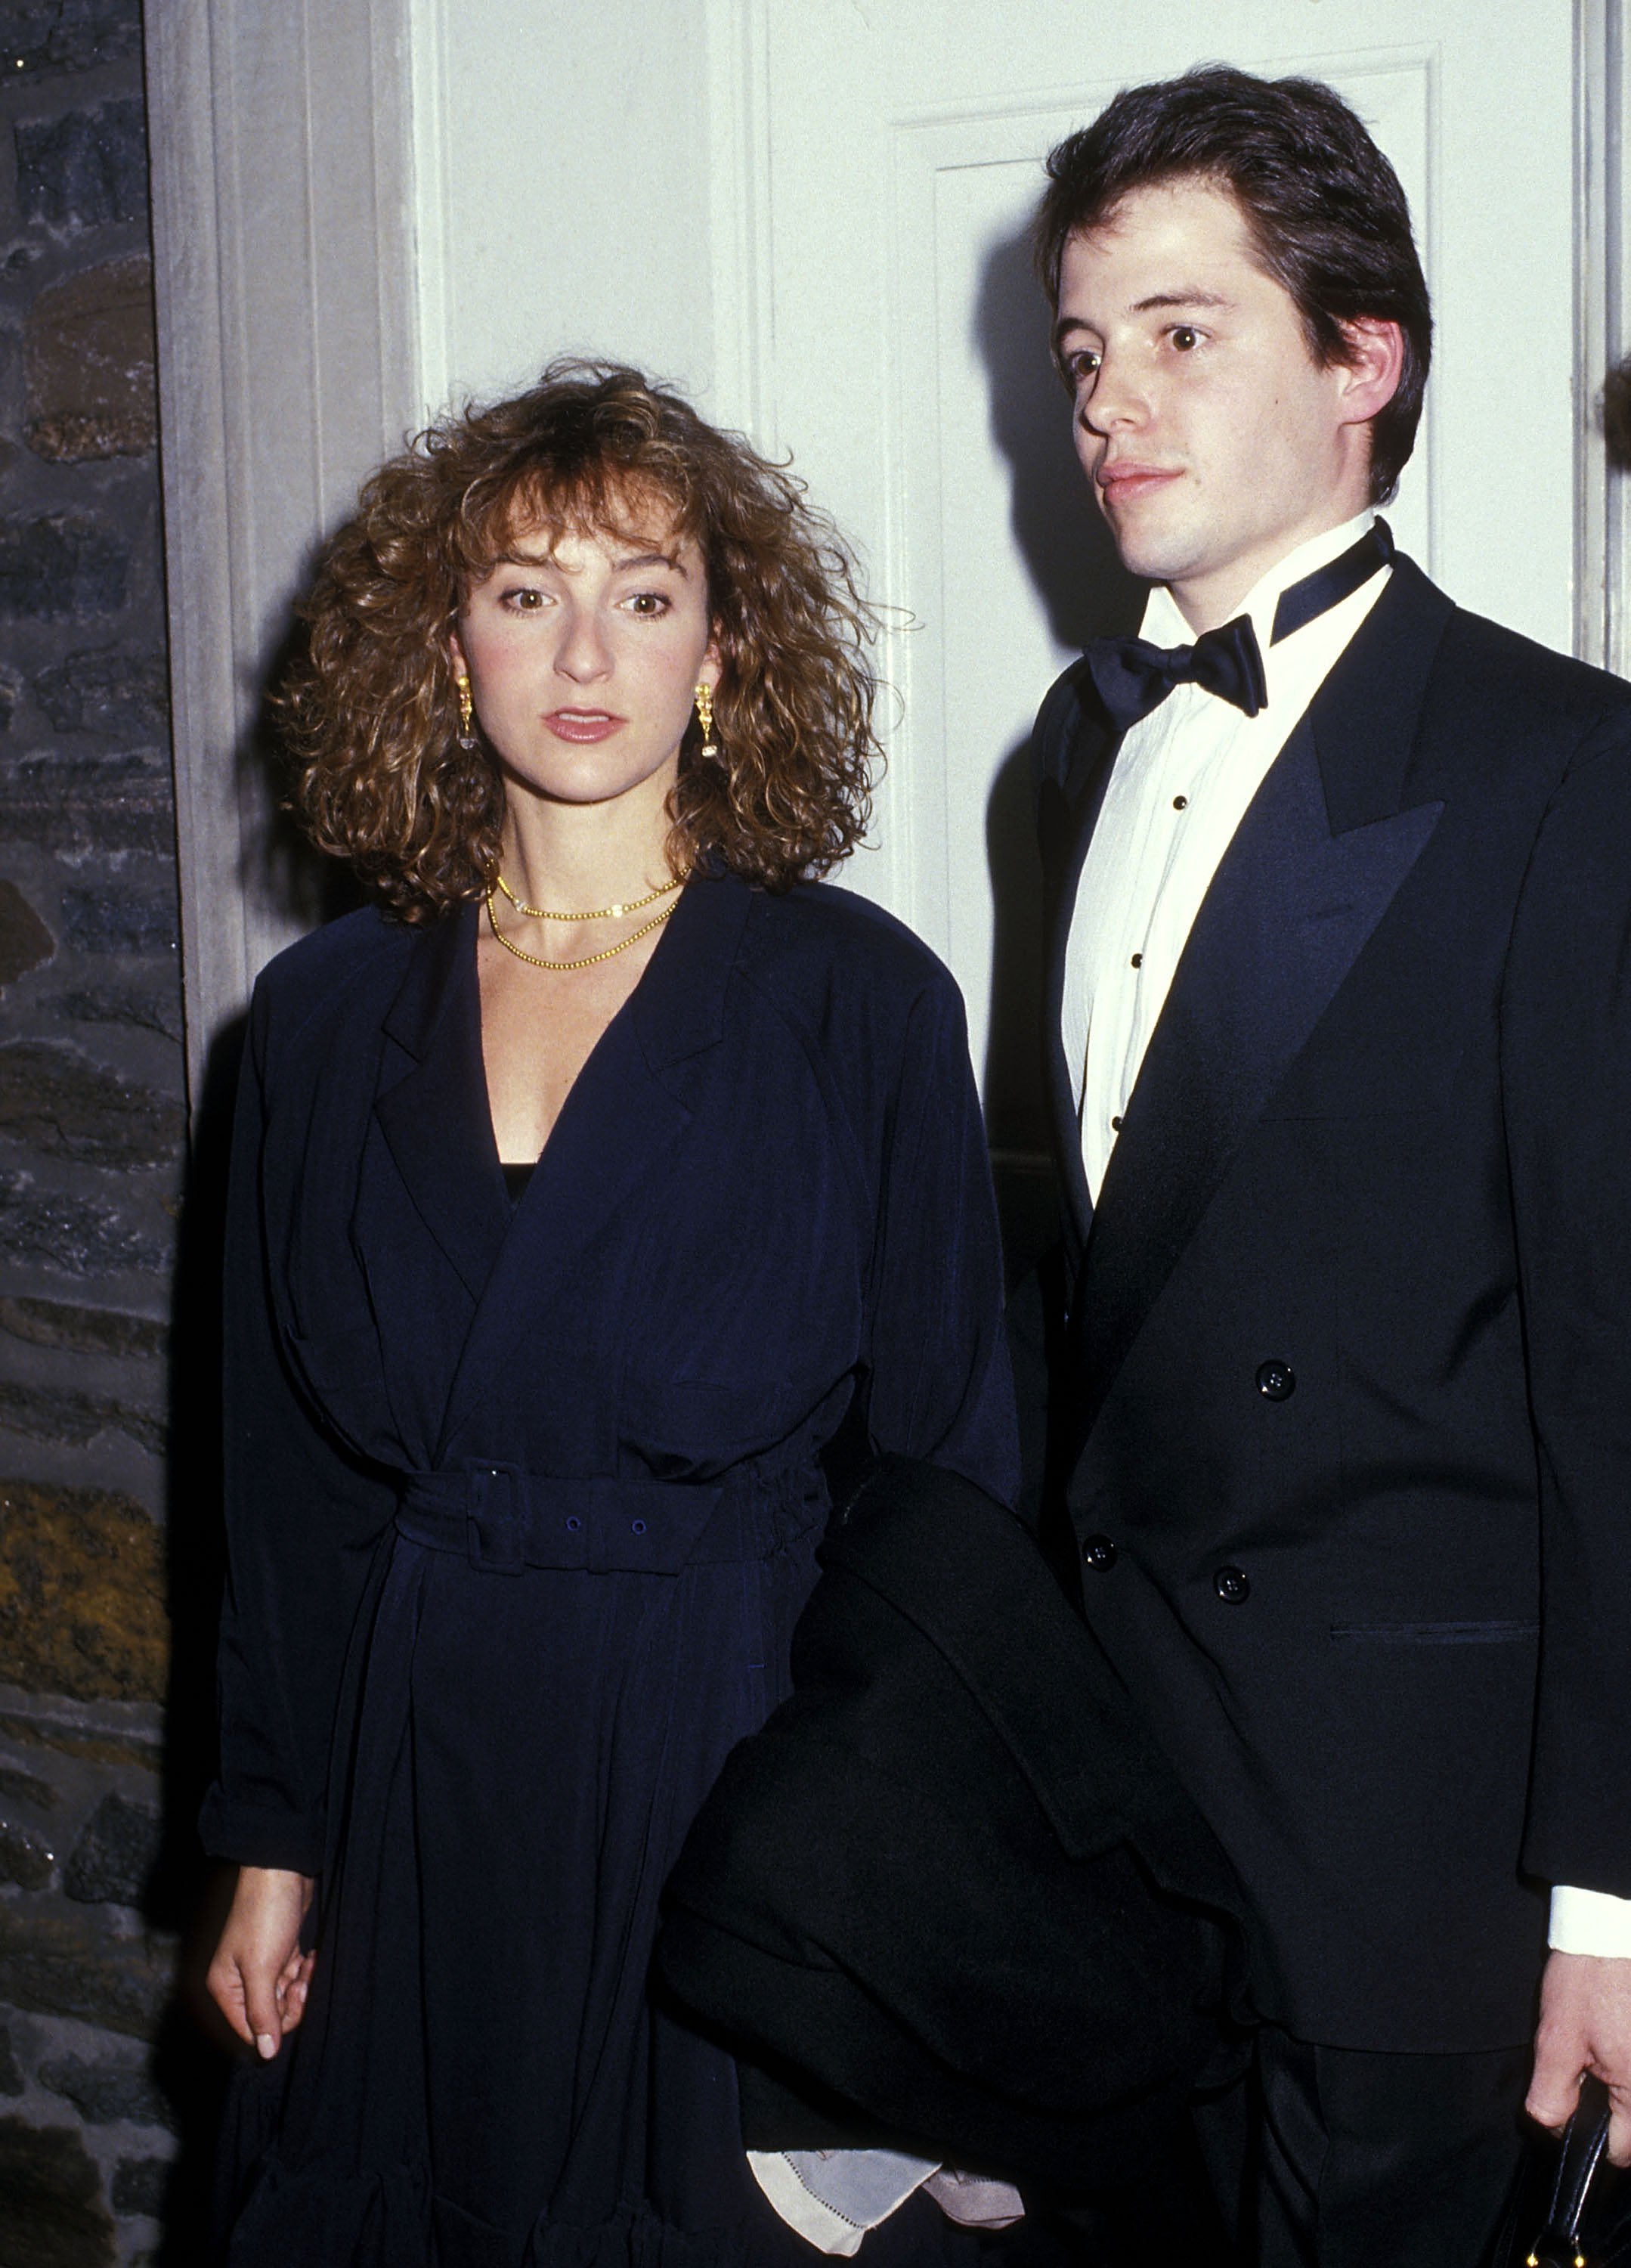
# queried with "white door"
point(876, 165)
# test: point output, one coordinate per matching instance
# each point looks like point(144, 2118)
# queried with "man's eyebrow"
point(1194, 297)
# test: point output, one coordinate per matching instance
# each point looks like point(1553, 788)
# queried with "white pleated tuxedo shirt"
point(1183, 780)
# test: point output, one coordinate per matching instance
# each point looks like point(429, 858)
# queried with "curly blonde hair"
point(369, 708)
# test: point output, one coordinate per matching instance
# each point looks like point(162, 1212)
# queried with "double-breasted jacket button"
point(1232, 1585)
point(1276, 1381)
point(1099, 1553)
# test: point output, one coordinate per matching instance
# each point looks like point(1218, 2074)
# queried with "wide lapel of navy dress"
point(600, 1414)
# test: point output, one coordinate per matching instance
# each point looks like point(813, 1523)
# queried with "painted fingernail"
point(266, 2046)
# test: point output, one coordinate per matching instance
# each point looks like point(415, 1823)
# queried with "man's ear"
point(1369, 373)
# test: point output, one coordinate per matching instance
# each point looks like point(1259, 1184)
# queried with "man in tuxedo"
point(1337, 1348)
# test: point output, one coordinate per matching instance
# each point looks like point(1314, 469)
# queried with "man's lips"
point(582, 724)
point(1121, 483)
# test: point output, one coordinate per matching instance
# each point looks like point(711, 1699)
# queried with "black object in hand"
point(1573, 2207)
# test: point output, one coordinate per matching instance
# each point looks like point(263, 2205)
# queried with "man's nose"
point(1115, 402)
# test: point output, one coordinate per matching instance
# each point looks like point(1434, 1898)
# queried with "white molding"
point(1602, 331)
point(284, 282)
point(427, 35)
point(738, 193)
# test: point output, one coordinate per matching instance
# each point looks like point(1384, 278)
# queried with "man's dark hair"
point(1326, 215)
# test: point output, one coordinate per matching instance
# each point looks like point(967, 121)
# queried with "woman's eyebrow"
point(649, 559)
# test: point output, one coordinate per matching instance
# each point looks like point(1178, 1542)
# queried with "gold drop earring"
point(467, 710)
point(705, 718)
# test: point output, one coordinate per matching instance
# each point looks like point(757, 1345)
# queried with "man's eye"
point(1185, 336)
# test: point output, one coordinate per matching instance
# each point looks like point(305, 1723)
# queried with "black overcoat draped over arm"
point(523, 1502)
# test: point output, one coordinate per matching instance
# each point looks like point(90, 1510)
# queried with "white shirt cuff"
point(832, 2198)
point(1589, 1921)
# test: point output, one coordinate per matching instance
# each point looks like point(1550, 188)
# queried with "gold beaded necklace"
point(587, 960)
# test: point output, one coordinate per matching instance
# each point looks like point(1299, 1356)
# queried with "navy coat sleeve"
point(939, 1385)
point(1565, 1068)
point(301, 1521)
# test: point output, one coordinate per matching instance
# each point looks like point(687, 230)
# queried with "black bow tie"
point(1133, 677)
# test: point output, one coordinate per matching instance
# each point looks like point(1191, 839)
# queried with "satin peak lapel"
point(1313, 869)
point(1076, 754)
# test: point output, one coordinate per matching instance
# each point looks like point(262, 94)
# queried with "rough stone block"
point(61, 563)
point(56, 1413)
point(103, 2091)
point(59, 1101)
point(24, 1787)
point(55, 1964)
point(82, 1594)
point(120, 921)
point(11, 694)
point(112, 691)
point(90, 1748)
point(25, 942)
point(38, 37)
point(139, 2185)
point(11, 2080)
point(24, 1859)
point(87, 804)
point(81, 1330)
point(115, 1856)
point(51, 2199)
point(158, 1011)
point(88, 360)
point(85, 169)
point(82, 1236)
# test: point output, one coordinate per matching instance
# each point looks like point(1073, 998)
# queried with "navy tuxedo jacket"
point(1340, 1406)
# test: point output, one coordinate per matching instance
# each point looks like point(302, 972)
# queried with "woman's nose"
point(583, 653)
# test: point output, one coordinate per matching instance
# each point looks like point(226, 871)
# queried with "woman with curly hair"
point(585, 1188)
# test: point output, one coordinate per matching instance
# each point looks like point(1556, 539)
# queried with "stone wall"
point(90, 1164)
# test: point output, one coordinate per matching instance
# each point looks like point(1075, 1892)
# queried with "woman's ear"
point(456, 655)
point(711, 669)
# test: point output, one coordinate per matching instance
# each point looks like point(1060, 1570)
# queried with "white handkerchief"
point(832, 2196)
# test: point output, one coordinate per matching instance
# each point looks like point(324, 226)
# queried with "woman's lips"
point(582, 724)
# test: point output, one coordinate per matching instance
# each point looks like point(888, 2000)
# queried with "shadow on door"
point(1085, 593)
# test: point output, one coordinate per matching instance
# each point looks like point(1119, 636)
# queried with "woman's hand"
point(258, 1978)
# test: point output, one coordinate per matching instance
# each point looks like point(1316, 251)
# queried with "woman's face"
point(583, 653)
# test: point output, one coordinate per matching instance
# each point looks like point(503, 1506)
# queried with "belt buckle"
point(495, 1516)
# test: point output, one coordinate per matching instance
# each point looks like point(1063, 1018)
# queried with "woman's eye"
point(524, 599)
point(647, 602)
point(1184, 337)
point(1080, 366)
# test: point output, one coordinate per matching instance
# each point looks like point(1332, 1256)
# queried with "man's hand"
point(1585, 2025)
point(258, 1978)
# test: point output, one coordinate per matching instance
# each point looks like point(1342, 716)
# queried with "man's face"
point(1214, 440)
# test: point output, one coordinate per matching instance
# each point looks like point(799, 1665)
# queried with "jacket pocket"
point(1462, 1633)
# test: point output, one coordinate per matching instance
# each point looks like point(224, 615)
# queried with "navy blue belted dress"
point(522, 1501)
